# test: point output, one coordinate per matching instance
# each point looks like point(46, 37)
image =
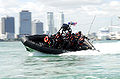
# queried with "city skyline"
point(25, 22)
point(79, 10)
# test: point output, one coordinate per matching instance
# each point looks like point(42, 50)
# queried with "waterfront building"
point(7, 28)
point(114, 32)
point(0, 28)
point(25, 22)
point(37, 27)
point(103, 34)
point(110, 33)
point(8, 25)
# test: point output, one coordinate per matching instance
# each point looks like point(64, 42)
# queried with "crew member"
point(79, 34)
point(66, 41)
point(68, 35)
point(73, 40)
point(58, 39)
point(81, 40)
point(65, 27)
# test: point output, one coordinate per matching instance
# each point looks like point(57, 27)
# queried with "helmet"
point(73, 34)
point(58, 32)
point(84, 37)
point(65, 27)
point(70, 31)
point(79, 32)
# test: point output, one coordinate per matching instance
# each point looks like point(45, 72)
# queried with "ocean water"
point(17, 63)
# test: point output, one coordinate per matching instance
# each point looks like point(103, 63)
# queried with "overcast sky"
point(80, 11)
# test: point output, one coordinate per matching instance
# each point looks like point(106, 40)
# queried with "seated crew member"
point(66, 42)
point(58, 39)
point(76, 35)
point(73, 40)
point(79, 34)
point(81, 41)
point(68, 35)
point(52, 40)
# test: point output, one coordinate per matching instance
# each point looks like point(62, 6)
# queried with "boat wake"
point(104, 48)
point(83, 52)
point(36, 53)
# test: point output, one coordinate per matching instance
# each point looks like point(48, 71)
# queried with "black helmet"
point(73, 34)
point(79, 32)
point(65, 26)
point(58, 32)
point(70, 31)
point(84, 37)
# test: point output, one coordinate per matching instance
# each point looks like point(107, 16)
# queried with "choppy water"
point(17, 63)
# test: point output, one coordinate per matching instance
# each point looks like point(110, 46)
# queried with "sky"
point(80, 11)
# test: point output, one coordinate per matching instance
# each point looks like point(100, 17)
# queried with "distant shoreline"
point(13, 40)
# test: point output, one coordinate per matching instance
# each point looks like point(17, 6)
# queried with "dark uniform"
point(66, 42)
point(58, 40)
point(73, 41)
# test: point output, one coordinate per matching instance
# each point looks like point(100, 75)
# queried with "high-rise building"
point(60, 20)
point(0, 28)
point(25, 22)
point(50, 22)
point(8, 25)
point(7, 28)
point(37, 27)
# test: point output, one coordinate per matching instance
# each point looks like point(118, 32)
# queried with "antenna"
point(91, 24)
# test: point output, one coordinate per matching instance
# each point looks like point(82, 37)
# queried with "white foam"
point(30, 54)
point(104, 48)
point(84, 52)
point(36, 53)
point(108, 48)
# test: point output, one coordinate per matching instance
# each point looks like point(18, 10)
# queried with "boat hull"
point(31, 46)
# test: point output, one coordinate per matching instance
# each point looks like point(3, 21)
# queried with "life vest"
point(80, 43)
point(57, 36)
point(46, 39)
point(72, 38)
point(68, 36)
point(81, 39)
point(78, 36)
point(49, 42)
